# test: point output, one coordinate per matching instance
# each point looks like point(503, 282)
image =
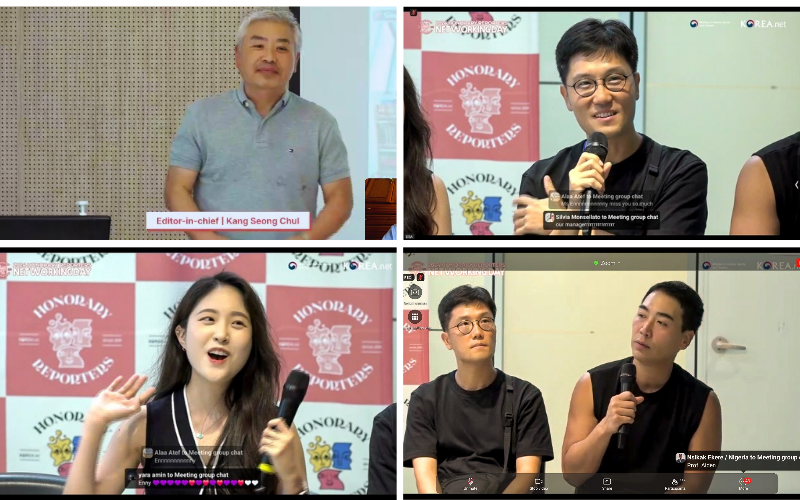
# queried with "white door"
point(759, 386)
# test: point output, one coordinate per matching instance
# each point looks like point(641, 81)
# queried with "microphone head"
point(296, 386)
point(628, 373)
point(597, 144)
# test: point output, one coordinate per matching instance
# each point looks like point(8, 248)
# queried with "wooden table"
point(380, 197)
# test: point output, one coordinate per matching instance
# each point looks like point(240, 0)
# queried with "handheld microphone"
point(294, 390)
point(596, 144)
point(626, 379)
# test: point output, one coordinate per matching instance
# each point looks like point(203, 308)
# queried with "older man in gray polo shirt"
point(261, 148)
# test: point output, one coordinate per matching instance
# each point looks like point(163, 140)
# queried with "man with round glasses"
point(600, 85)
point(456, 428)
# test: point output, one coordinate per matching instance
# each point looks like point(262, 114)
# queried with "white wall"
point(334, 73)
point(722, 92)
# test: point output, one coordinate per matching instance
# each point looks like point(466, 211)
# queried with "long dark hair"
point(252, 394)
point(419, 198)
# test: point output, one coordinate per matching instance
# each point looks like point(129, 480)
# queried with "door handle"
point(720, 344)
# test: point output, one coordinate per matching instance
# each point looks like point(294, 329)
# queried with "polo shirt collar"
point(242, 97)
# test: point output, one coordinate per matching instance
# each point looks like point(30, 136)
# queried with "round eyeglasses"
point(465, 326)
point(586, 87)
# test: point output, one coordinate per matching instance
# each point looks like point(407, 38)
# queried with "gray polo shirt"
point(247, 163)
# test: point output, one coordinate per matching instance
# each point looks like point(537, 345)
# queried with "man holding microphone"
point(664, 409)
point(600, 86)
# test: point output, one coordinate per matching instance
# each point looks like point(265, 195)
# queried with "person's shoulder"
point(438, 183)
point(310, 109)
point(428, 390)
point(678, 159)
point(691, 381)
point(212, 102)
point(160, 401)
point(610, 367)
point(525, 388)
point(789, 144)
point(387, 416)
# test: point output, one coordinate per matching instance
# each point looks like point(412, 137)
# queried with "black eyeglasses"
point(586, 87)
point(465, 326)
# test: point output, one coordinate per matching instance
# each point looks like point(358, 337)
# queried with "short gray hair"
point(278, 14)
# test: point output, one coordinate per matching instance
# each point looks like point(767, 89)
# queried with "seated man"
point(767, 196)
point(600, 86)
point(668, 411)
point(456, 427)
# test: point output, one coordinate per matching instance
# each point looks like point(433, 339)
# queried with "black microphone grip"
point(596, 144)
point(294, 390)
point(622, 434)
point(586, 206)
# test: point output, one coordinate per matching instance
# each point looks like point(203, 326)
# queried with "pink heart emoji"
point(205, 482)
point(191, 482)
point(241, 482)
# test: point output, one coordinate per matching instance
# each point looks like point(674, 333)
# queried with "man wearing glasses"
point(597, 64)
point(456, 433)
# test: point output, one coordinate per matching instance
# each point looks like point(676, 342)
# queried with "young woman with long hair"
point(213, 406)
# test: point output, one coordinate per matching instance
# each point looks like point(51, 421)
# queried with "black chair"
point(29, 483)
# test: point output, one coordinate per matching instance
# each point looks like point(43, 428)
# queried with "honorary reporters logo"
point(69, 338)
point(62, 445)
point(480, 104)
point(331, 343)
point(328, 344)
point(482, 196)
point(338, 453)
point(63, 451)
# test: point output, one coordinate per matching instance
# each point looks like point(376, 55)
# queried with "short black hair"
point(690, 301)
point(594, 37)
point(464, 295)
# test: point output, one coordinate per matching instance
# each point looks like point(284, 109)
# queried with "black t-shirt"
point(782, 160)
point(463, 430)
point(664, 425)
point(382, 472)
point(679, 191)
